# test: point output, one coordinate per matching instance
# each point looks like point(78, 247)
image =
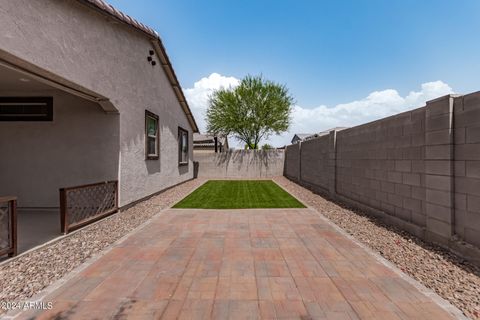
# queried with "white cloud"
point(376, 105)
point(197, 96)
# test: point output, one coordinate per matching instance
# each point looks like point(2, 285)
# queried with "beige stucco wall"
point(79, 146)
point(110, 58)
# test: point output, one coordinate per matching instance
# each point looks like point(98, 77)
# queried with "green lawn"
point(239, 194)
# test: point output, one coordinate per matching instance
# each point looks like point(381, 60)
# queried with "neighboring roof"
point(198, 137)
point(205, 145)
point(308, 136)
point(108, 9)
point(300, 136)
point(208, 140)
point(303, 135)
point(323, 133)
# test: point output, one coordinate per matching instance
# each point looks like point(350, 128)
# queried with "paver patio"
point(238, 264)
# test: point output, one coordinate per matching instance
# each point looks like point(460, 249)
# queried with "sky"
point(345, 62)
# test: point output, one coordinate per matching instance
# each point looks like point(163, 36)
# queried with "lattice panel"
point(85, 203)
point(5, 236)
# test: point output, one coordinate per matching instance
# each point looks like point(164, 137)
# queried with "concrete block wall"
point(419, 170)
point(314, 156)
point(240, 164)
point(466, 168)
point(380, 164)
point(439, 169)
point(292, 162)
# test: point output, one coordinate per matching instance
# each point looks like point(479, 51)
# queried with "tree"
point(252, 111)
point(267, 146)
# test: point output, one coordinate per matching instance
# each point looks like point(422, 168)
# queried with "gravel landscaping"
point(23, 277)
point(449, 276)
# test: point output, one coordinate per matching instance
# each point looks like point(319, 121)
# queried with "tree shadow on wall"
point(246, 158)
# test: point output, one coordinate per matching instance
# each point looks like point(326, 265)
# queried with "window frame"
point(180, 132)
point(48, 101)
point(155, 117)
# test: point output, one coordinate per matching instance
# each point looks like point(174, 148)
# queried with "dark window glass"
point(182, 146)
point(151, 135)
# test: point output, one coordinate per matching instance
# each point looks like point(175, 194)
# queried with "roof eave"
point(104, 8)
point(172, 77)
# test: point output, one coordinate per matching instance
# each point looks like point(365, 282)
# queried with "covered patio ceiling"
point(24, 77)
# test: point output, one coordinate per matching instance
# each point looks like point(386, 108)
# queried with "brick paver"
point(238, 264)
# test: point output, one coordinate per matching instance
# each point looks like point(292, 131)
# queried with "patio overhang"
point(21, 67)
point(45, 149)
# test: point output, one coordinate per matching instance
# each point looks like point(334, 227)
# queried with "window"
point(26, 108)
point(151, 135)
point(182, 146)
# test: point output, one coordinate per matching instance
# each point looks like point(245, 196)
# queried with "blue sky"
point(327, 52)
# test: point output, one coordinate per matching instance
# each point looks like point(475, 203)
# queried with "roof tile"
point(102, 5)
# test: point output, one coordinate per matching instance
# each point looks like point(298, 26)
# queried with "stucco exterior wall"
point(97, 52)
point(240, 164)
point(79, 146)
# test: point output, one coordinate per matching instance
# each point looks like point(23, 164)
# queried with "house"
point(299, 137)
point(87, 95)
point(323, 133)
point(207, 143)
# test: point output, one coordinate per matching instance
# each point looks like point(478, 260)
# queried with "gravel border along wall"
point(28, 274)
point(451, 277)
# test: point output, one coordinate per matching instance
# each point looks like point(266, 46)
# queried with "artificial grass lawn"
point(239, 194)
